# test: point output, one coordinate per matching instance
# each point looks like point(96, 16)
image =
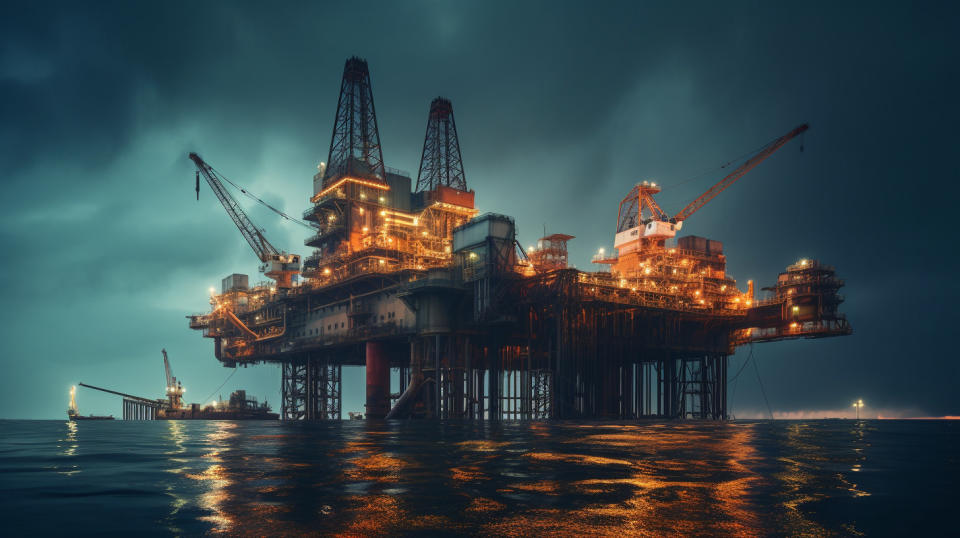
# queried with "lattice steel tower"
point(441, 163)
point(355, 145)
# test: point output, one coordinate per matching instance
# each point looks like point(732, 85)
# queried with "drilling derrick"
point(355, 145)
point(441, 162)
point(441, 183)
point(352, 188)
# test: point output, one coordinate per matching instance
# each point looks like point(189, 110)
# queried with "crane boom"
point(695, 205)
point(146, 401)
point(166, 367)
point(263, 249)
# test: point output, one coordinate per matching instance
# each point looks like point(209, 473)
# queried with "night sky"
point(560, 110)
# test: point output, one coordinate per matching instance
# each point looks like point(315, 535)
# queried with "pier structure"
point(452, 319)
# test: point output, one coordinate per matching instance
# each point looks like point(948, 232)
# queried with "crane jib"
point(753, 161)
point(261, 247)
point(141, 399)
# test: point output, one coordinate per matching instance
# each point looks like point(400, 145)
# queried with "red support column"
point(378, 380)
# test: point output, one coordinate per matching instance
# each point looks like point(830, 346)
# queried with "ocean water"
point(462, 478)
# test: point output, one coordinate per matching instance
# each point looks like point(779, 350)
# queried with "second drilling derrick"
point(441, 163)
point(417, 282)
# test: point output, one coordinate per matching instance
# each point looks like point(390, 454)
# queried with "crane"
point(166, 366)
point(174, 388)
point(660, 225)
point(276, 264)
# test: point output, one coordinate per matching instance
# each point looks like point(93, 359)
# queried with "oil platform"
point(409, 277)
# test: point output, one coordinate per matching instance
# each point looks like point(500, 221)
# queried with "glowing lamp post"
point(858, 404)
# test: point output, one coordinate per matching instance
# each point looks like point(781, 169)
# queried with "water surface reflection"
point(356, 478)
point(602, 479)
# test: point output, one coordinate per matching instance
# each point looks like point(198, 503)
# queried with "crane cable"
point(221, 384)
point(258, 199)
point(722, 166)
point(762, 391)
point(757, 370)
point(733, 393)
point(750, 356)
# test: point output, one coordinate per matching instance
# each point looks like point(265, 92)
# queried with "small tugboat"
point(73, 412)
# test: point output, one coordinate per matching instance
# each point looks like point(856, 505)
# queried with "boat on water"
point(91, 417)
point(238, 407)
point(73, 412)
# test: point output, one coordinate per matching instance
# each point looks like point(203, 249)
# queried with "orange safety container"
point(449, 195)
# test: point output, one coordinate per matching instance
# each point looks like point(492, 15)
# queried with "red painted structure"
point(378, 380)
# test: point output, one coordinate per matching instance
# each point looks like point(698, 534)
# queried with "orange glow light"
point(363, 182)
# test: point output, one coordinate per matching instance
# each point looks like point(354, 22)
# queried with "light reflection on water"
point(217, 477)
point(589, 479)
point(175, 450)
point(473, 478)
point(68, 448)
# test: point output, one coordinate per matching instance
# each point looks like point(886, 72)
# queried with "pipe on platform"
point(401, 409)
point(378, 380)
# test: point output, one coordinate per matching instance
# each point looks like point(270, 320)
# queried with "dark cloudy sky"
point(560, 109)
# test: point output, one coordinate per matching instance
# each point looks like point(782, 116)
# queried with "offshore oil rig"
point(416, 281)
